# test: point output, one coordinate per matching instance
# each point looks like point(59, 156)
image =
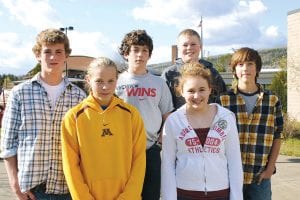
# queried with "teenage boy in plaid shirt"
point(259, 121)
point(30, 142)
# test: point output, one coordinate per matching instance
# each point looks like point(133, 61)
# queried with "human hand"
point(266, 174)
point(30, 195)
point(25, 195)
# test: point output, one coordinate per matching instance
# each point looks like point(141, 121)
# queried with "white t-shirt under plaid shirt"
point(31, 130)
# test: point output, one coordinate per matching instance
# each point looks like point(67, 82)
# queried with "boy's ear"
point(87, 78)
point(38, 57)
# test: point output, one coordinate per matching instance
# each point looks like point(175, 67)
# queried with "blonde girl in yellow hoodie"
point(103, 141)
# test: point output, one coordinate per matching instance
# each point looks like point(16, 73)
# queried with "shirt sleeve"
point(165, 103)
point(278, 120)
point(219, 85)
point(11, 125)
point(233, 154)
point(168, 178)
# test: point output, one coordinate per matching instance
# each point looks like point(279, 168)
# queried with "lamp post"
point(201, 28)
point(66, 29)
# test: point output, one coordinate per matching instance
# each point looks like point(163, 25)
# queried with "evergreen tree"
point(279, 83)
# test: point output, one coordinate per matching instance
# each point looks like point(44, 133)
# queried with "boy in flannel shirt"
point(30, 136)
point(259, 121)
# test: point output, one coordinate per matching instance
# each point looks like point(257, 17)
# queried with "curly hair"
point(51, 36)
point(135, 37)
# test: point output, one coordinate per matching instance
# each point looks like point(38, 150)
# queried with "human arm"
point(234, 162)
point(278, 127)
point(134, 185)
point(269, 170)
point(71, 159)
point(12, 173)
point(164, 117)
point(10, 141)
point(166, 107)
point(168, 177)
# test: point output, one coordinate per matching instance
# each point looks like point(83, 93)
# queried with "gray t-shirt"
point(250, 100)
point(150, 95)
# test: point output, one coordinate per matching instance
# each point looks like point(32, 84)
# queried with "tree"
point(35, 70)
point(6, 79)
point(279, 83)
point(221, 62)
point(7, 83)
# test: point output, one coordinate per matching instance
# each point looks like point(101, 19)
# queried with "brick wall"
point(293, 64)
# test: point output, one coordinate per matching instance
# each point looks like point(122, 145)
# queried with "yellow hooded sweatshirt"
point(104, 151)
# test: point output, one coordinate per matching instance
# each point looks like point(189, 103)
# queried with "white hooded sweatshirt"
point(189, 166)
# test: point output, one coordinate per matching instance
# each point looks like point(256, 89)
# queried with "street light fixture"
point(66, 29)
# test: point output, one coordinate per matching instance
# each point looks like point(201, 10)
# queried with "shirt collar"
point(37, 78)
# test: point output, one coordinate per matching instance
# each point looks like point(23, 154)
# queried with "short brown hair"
point(245, 54)
point(51, 36)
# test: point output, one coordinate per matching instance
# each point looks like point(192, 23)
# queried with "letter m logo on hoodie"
point(106, 132)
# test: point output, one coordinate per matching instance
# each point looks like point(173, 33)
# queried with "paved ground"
point(5, 192)
point(285, 184)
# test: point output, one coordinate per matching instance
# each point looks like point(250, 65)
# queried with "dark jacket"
point(171, 76)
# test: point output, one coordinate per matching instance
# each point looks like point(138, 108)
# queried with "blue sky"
point(99, 25)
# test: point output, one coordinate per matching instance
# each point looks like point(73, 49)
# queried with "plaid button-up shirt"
point(31, 130)
point(256, 130)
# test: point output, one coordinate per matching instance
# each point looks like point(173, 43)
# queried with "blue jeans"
point(39, 193)
point(151, 187)
point(258, 192)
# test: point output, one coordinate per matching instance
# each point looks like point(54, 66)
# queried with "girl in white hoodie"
point(201, 154)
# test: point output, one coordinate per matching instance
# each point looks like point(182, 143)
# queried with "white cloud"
point(93, 44)
point(271, 37)
point(272, 32)
point(224, 22)
point(35, 13)
point(181, 13)
point(254, 6)
point(16, 56)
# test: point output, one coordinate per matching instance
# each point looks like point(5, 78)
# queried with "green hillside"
point(270, 59)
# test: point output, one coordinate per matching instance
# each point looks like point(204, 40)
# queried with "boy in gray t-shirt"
point(151, 95)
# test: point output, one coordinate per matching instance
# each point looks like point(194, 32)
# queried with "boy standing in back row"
point(259, 121)
point(189, 48)
point(151, 96)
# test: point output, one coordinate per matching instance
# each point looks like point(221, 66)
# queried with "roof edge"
point(294, 11)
